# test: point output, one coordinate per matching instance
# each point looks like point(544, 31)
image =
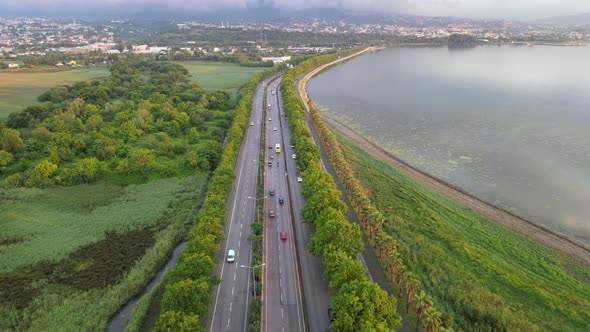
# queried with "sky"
point(511, 9)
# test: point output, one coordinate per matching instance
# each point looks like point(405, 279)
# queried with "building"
point(276, 60)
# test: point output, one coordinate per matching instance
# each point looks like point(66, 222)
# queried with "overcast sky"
point(515, 9)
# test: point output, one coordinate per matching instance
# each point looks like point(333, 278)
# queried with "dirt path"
point(563, 244)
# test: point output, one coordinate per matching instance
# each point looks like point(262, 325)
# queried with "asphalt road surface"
point(282, 305)
point(316, 293)
point(231, 297)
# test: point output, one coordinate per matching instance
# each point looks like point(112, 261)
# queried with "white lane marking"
point(230, 304)
point(227, 242)
point(282, 315)
point(235, 274)
point(232, 290)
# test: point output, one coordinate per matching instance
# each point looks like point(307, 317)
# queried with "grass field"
point(218, 75)
point(470, 265)
point(70, 256)
point(21, 89)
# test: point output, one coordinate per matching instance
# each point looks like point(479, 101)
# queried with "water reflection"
point(509, 124)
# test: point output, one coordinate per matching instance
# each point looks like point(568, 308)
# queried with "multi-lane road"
point(231, 297)
point(282, 305)
point(295, 295)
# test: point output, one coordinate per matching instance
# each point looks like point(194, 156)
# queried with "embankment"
point(547, 237)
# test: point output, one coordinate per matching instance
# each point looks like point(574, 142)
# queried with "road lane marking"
point(239, 183)
point(232, 290)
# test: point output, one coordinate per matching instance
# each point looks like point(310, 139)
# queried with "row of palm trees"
point(372, 221)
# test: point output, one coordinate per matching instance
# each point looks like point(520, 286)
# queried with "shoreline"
point(538, 233)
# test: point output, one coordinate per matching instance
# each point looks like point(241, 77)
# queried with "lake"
point(510, 124)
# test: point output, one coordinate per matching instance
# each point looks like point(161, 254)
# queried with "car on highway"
point(331, 314)
point(270, 146)
point(283, 236)
point(231, 256)
point(281, 200)
point(271, 213)
point(251, 123)
point(293, 156)
point(270, 163)
point(299, 179)
point(273, 92)
point(269, 119)
point(272, 157)
point(271, 192)
point(274, 128)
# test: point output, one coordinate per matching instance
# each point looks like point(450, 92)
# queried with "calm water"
point(510, 124)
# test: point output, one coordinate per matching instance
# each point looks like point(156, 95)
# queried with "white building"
point(277, 59)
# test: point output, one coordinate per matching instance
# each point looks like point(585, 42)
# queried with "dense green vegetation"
point(484, 275)
point(187, 292)
point(99, 181)
point(359, 304)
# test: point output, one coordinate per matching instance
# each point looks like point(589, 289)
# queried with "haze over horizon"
point(507, 9)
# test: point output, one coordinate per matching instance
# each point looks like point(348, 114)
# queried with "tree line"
point(188, 286)
point(358, 304)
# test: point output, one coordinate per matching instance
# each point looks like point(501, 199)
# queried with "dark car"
point(271, 192)
point(270, 163)
point(271, 213)
point(270, 146)
point(281, 200)
point(331, 314)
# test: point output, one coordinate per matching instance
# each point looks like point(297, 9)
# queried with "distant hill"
point(573, 20)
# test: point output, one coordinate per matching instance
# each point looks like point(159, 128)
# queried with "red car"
point(283, 236)
point(270, 146)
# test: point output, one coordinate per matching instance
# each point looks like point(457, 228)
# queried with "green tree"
point(336, 234)
point(339, 268)
point(10, 140)
point(189, 296)
point(422, 302)
point(174, 321)
point(5, 158)
point(88, 169)
point(432, 321)
point(363, 306)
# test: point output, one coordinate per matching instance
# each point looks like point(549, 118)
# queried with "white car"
point(231, 256)
point(251, 123)
point(274, 128)
point(269, 119)
point(299, 179)
point(293, 156)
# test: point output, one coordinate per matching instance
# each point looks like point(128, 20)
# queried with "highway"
point(231, 297)
point(316, 293)
point(282, 300)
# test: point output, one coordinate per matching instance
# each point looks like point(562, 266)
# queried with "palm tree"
point(422, 302)
point(432, 321)
point(412, 285)
point(401, 276)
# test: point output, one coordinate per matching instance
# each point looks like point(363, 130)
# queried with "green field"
point(21, 89)
point(479, 272)
point(219, 76)
point(71, 255)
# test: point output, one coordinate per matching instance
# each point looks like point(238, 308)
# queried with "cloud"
point(467, 8)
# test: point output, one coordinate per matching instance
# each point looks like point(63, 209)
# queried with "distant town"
point(30, 36)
